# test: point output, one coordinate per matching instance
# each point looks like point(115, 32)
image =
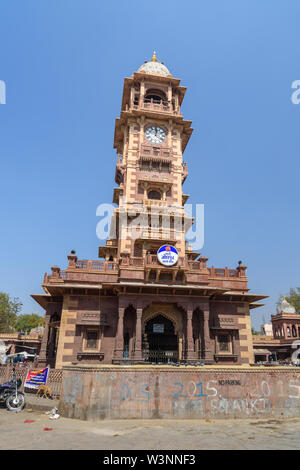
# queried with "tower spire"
point(154, 58)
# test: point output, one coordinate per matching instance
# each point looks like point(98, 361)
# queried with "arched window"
point(156, 96)
point(153, 194)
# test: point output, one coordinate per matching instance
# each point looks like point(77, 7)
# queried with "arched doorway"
point(160, 340)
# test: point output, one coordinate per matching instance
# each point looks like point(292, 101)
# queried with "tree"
point(9, 309)
point(293, 298)
point(26, 322)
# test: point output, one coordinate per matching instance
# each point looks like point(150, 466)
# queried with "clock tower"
point(150, 139)
point(149, 298)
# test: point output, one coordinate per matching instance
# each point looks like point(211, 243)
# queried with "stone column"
point(190, 354)
point(200, 339)
point(131, 96)
point(55, 272)
point(43, 350)
point(203, 261)
point(142, 93)
point(180, 347)
point(138, 335)
point(72, 258)
point(197, 348)
point(208, 354)
point(120, 335)
point(145, 186)
point(170, 123)
point(241, 270)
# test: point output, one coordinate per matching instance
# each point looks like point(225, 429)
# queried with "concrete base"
point(114, 392)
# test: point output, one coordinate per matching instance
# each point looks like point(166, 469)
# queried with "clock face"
point(155, 134)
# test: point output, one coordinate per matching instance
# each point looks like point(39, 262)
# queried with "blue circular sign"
point(167, 255)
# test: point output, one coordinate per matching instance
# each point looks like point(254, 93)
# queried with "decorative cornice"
point(236, 369)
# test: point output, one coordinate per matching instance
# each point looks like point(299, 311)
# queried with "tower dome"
point(154, 67)
point(285, 307)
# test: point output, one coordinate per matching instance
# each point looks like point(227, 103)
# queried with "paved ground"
point(144, 434)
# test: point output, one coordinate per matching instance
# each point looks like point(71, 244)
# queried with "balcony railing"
point(90, 270)
point(156, 105)
point(160, 233)
point(96, 265)
point(217, 272)
point(132, 261)
point(214, 272)
point(153, 104)
point(81, 266)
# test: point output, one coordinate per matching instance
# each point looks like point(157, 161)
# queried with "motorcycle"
point(11, 396)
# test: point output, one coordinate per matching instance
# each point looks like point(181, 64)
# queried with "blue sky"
point(63, 63)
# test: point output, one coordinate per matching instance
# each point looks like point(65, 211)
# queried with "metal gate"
point(160, 357)
point(160, 344)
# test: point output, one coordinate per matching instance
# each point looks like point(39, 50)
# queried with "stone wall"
point(180, 392)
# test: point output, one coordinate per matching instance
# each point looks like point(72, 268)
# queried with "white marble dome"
point(155, 67)
point(285, 307)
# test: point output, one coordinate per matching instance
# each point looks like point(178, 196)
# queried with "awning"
point(23, 353)
point(261, 351)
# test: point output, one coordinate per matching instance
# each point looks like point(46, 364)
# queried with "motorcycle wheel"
point(15, 403)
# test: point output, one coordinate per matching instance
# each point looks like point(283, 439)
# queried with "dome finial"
point(154, 67)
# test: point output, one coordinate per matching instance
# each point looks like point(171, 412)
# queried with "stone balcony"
point(159, 177)
point(159, 206)
point(164, 234)
point(150, 104)
point(83, 271)
point(156, 152)
point(120, 170)
point(142, 269)
point(152, 261)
